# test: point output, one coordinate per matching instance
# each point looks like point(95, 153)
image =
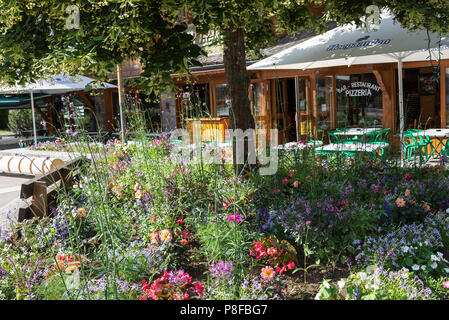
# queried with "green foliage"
point(21, 120)
point(36, 42)
point(4, 114)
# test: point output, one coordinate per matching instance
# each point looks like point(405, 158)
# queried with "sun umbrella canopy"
point(351, 45)
point(58, 84)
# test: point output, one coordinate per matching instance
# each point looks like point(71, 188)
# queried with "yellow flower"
point(407, 192)
point(138, 194)
point(400, 202)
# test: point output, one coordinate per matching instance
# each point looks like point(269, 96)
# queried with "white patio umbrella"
point(351, 45)
point(60, 83)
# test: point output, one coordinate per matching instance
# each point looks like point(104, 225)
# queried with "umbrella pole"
point(401, 109)
point(121, 99)
point(297, 106)
point(34, 118)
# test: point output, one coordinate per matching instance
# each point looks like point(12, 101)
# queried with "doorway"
point(421, 99)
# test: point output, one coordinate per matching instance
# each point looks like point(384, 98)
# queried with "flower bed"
point(138, 225)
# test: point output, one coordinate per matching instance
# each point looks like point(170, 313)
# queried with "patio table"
point(437, 134)
point(356, 132)
point(349, 148)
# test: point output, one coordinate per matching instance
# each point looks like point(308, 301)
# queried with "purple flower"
point(221, 269)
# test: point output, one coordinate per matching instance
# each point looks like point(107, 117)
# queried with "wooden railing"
point(43, 189)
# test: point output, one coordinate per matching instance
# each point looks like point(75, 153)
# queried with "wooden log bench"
point(43, 189)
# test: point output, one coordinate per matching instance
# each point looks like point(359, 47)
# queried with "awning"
point(349, 45)
point(21, 101)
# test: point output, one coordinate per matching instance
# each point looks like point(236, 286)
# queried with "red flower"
point(179, 221)
point(290, 265)
point(199, 288)
point(407, 176)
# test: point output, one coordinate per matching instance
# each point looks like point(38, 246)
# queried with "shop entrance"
point(421, 99)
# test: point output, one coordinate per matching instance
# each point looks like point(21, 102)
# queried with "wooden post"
point(39, 207)
point(108, 110)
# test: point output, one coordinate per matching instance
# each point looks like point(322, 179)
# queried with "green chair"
point(333, 138)
point(381, 138)
point(422, 143)
point(412, 148)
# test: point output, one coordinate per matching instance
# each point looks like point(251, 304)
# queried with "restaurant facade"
point(306, 103)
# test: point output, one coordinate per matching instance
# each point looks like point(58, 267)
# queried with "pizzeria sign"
point(359, 89)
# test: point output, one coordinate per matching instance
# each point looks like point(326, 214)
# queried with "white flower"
point(405, 249)
point(415, 267)
point(326, 284)
point(447, 210)
point(439, 254)
point(362, 276)
point(341, 284)
point(434, 258)
point(423, 267)
point(446, 269)
point(434, 265)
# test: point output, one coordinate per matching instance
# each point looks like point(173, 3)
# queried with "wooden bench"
point(43, 189)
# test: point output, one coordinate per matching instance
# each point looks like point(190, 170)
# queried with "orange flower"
point(165, 235)
point(407, 192)
point(268, 273)
point(400, 202)
point(81, 213)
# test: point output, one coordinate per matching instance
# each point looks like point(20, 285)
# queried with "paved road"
point(9, 198)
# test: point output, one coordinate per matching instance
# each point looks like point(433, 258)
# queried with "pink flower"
point(446, 284)
point(237, 218)
point(307, 222)
point(284, 181)
point(155, 237)
point(291, 174)
point(407, 176)
point(296, 184)
point(267, 273)
point(277, 191)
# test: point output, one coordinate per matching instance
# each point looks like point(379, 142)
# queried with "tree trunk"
point(238, 80)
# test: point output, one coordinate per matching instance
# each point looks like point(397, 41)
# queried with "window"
point(359, 101)
point(222, 100)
